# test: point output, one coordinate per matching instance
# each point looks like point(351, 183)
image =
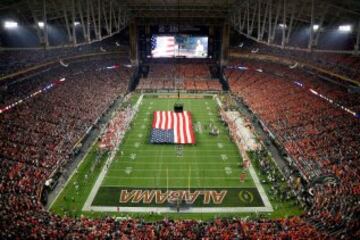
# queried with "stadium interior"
point(179, 119)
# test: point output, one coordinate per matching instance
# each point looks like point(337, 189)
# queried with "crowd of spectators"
point(41, 225)
point(38, 135)
point(12, 61)
point(42, 130)
point(343, 64)
point(320, 136)
point(196, 76)
point(116, 129)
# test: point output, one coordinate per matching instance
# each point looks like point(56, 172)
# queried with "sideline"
point(99, 180)
point(75, 164)
point(71, 175)
point(252, 172)
point(87, 206)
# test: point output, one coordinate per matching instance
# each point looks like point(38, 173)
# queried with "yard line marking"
point(176, 163)
point(176, 178)
point(190, 155)
point(215, 157)
point(99, 180)
point(160, 163)
point(152, 169)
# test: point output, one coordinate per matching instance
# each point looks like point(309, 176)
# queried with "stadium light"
point(345, 28)
point(10, 24)
point(41, 24)
point(316, 27)
point(76, 23)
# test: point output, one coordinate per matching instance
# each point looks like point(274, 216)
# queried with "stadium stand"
point(28, 156)
point(23, 173)
point(12, 61)
point(313, 120)
point(39, 135)
point(187, 77)
point(343, 64)
point(320, 137)
point(57, 111)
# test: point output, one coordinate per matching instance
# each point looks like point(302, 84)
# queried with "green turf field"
point(212, 162)
point(141, 173)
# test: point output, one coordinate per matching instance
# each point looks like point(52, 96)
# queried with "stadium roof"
point(200, 11)
point(114, 15)
point(176, 8)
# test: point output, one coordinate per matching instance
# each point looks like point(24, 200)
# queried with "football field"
point(205, 177)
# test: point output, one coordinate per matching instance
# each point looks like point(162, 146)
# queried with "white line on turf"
point(218, 101)
point(260, 188)
point(98, 182)
point(252, 172)
point(267, 208)
point(175, 163)
point(220, 156)
point(172, 178)
point(104, 170)
point(152, 169)
point(72, 174)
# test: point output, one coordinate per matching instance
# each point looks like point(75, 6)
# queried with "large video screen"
point(181, 45)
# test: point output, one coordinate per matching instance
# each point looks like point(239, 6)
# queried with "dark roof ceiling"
point(337, 10)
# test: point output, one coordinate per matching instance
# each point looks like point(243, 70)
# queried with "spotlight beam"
point(345, 28)
point(10, 24)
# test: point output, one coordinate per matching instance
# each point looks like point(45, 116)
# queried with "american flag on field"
point(162, 46)
point(172, 127)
